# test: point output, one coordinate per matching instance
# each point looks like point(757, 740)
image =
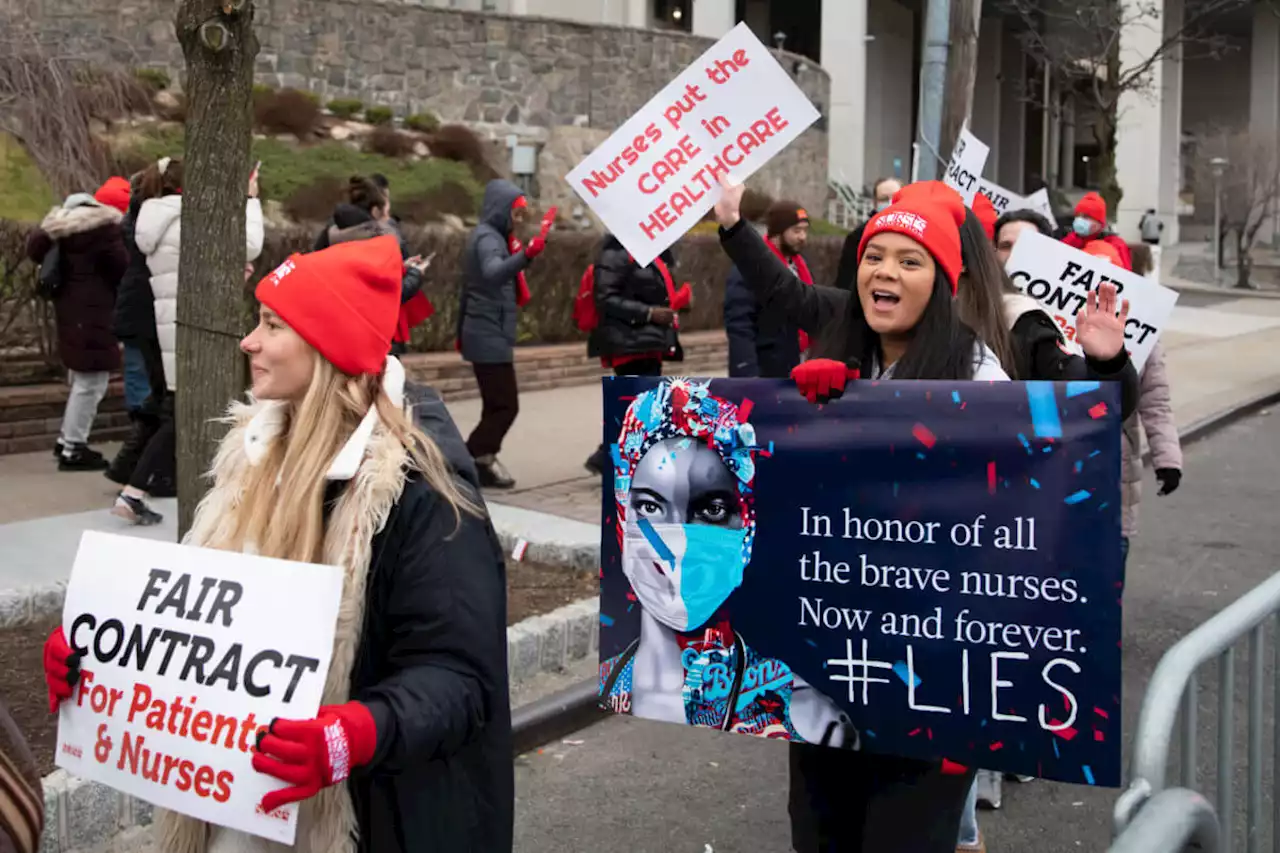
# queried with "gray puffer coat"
point(1155, 416)
point(487, 315)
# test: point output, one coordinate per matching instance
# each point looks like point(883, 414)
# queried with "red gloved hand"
point(314, 754)
point(61, 668)
point(823, 379)
point(535, 247)
point(684, 296)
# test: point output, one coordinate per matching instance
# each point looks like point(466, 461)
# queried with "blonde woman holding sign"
point(412, 747)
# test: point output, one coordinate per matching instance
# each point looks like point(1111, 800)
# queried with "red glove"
point(314, 754)
point(682, 298)
point(823, 379)
point(61, 668)
point(535, 247)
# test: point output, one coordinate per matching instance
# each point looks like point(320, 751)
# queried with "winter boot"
point(597, 462)
point(493, 474)
point(78, 457)
point(126, 460)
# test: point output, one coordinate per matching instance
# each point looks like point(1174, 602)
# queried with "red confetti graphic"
point(997, 746)
point(744, 411)
point(1065, 734)
point(950, 768)
point(1098, 735)
point(1098, 411)
point(924, 435)
point(991, 477)
point(913, 733)
point(1101, 713)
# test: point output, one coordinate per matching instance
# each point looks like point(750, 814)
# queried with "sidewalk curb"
point(80, 813)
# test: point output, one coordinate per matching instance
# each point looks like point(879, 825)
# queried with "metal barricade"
point(1174, 685)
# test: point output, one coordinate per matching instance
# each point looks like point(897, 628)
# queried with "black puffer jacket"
point(624, 294)
point(762, 342)
point(135, 318)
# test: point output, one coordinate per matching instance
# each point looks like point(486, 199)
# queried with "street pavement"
point(650, 788)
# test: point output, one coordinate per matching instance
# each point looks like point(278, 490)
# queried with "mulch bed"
point(532, 589)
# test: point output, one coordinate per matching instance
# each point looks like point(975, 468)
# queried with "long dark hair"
point(942, 347)
point(980, 296)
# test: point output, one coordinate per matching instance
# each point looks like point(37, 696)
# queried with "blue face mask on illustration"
point(1083, 226)
point(682, 573)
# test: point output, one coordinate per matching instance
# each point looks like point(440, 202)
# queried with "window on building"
point(673, 14)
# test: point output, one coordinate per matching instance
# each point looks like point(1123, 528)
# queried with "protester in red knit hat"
point(899, 323)
point(986, 213)
point(412, 748)
point(1090, 224)
point(114, 193)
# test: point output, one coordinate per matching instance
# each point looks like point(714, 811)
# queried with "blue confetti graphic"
point(900, 669)
point(1056, 754)
point(1077, 497)
point(955, 396)
point(919, 455)
point(1044, 410)
point(1079, 466)
point(1088, 774)
point(1026, 444)
point(606, 621)
point(1035, 484)
point(1075, 389)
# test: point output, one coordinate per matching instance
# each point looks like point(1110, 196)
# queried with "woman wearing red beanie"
point(412, 747)
point(1090, 224)
point(899, 322)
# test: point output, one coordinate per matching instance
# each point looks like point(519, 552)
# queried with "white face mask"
point(682, 573)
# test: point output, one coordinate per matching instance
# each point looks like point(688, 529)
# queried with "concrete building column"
point(1067, 154)
point(1264, 90)
point(1010, 167)
point(844, 56)
point(987, 91)
point(1149, 134)
point(713, 18)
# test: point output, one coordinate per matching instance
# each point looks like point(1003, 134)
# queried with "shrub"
point(379, 115)
point(389, 142)
point(449, 197)
point(155, 79)
point(346, 108)
point(423, 122)
point(287, 111)
point(315, 202)
point(261, 90)
point(458, 143)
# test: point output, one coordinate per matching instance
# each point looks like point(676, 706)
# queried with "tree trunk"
point(962, 69)
point(220, 48)
point(1108, 185)
point(1242, 261)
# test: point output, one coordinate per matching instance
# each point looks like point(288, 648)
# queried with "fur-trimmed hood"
point(374, 464)
point(63, 221)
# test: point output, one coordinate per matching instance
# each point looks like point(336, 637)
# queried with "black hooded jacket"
point(135, 317)
point(624, 293)
point(487, 314)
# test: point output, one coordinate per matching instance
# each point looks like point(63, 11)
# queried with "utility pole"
point(962, 70)
point(220, 47)
point(930, 157)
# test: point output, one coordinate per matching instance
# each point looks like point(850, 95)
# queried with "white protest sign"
point(188, 652)
point(1002, 200)
point(1060, 278)
point(730, 111)
point(967, 162)
point(1039, 202)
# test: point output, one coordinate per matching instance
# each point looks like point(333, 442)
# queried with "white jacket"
point(158, 234)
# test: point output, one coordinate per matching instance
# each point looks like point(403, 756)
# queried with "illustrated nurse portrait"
point(684, 474)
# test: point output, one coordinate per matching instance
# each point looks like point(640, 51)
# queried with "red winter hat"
point(929, 212)
point(986, 213)
point(343, 300)
point(114, 193)
point(1092, 206)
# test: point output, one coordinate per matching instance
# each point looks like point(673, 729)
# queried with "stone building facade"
point(559, 85)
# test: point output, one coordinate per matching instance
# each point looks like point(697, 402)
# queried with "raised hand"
point(728, 209)
point(1099, 329)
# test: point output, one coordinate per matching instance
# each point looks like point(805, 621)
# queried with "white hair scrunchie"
point(163, 164)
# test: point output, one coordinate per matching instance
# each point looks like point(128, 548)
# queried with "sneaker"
point(78, 457)
point(57, 448)
point(135, 511)
point(989, 789)
point(979, 847)
point(493, 475)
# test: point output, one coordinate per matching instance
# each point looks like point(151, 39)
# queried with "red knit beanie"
point(114, 193)
point(986, 213)
point(929, 212)
point(1093, 206)
point(344, 301)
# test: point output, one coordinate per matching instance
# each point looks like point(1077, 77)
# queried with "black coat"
point(624, 294)
point(432, 669)
point(135, 318)
point(93, 260)
point(762, 342)
point(847, 272)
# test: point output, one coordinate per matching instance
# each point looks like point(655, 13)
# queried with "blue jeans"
point(137, 386)
point(969, 818)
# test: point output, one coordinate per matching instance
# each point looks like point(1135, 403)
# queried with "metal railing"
point(1174, 685)
point(847, 207)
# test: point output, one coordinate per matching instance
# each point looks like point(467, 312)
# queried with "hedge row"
point(553, 280)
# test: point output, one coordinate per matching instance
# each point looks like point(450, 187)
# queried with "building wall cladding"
point(526, 73)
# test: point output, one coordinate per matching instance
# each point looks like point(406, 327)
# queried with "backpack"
point(51, 277)
point(584, 304)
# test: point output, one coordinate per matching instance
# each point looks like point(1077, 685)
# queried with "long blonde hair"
point(281, 510)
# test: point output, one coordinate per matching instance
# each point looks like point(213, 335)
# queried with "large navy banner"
point(923, 569)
